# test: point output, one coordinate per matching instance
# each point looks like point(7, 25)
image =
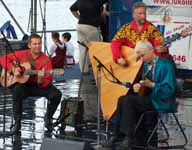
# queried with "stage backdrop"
point(171, 17)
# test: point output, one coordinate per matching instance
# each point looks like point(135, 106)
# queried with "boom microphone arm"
point(117, 81)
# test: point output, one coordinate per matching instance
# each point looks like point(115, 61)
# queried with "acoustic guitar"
point(8, 79)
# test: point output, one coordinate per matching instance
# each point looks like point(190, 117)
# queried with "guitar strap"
point(23, 56)
point(44, 62)
point(32, 62)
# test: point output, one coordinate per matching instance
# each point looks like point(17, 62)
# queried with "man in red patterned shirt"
point(139, 29)
point(39, 84)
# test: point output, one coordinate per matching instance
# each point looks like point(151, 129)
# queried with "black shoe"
point(62, 131)
point(17, 143)
point(48, 134)
point(48, 124)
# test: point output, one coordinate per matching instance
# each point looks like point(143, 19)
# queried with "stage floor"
point(33, 132)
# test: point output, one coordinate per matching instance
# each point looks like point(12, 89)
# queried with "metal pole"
point(44, 27)
point(98, 106)
point(58, 30)
point(12, 17)
point(35, 16)
point(32, 25)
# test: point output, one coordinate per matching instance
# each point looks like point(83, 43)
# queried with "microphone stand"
point(6, 133)
point(11, 50)
point(44, 27)
point(116, 80)
point(99, 66)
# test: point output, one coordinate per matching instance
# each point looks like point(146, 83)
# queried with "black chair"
point(152, 142)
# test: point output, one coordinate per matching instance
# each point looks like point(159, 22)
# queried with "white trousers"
point(86, 33)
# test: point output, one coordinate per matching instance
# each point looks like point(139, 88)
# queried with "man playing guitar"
point(39, 84)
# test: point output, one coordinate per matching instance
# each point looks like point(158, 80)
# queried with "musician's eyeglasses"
point(141, 55)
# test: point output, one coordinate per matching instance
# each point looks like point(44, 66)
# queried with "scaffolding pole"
point(33, 16)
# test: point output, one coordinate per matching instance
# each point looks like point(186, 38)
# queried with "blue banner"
point(120, 13)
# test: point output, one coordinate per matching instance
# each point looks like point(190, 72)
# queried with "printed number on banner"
point(179, 58)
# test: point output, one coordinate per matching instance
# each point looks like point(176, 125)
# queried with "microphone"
point(126, 84)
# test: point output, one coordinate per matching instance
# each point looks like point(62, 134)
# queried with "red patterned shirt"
point(129, 35)
point(24, 56)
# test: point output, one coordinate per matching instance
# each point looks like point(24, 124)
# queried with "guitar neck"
point(184, 33)
point(34, 72)
point(175, 37)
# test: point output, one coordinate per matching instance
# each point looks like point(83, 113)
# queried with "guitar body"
point(8, 79)
point(110, 92)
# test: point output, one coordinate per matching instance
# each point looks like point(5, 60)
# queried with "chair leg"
point(149, 140)
point(181, 129)
point(179, 146)
point(164, 140)
point(138, 125)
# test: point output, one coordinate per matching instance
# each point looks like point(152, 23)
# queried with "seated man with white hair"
point(159, 76)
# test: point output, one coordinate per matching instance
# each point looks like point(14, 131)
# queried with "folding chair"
point(161, 123)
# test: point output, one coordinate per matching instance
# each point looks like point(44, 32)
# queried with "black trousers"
point(22, 91)
point(129, 109)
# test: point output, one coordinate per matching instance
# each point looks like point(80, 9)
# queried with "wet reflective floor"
point(33, 132)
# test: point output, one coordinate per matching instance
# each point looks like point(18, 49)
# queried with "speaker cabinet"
point(58, 144)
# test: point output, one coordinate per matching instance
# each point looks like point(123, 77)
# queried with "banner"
point(176, 3)
point(181, 48)
point(171, 21)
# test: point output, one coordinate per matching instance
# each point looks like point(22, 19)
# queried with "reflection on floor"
point(33, 131)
